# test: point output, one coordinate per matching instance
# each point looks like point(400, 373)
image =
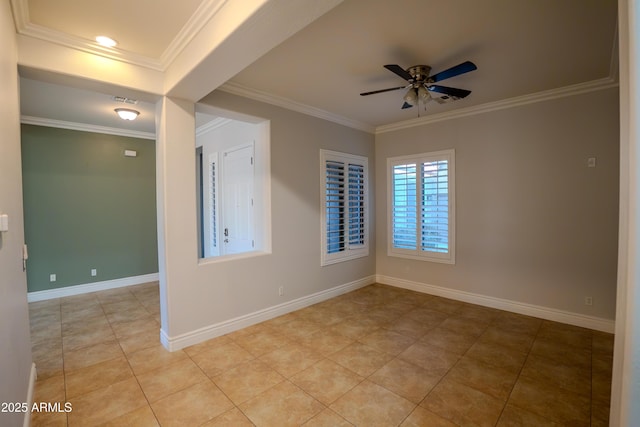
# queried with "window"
point(421, 206)
point(344, 206)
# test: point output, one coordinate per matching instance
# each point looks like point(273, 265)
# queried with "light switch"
point(4, 222)
point(591, 162)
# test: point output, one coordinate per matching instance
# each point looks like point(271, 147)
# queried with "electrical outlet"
point(281, 290)
point(94, 272)
point(52, 277)
point(588, 301)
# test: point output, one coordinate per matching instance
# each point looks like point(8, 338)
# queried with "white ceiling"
point(520, 47)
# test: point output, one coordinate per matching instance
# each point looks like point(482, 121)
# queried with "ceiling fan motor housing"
point(419, 73)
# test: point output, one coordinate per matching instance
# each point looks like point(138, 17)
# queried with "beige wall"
point(201, 295)
point(15, 350)
point(534, 224)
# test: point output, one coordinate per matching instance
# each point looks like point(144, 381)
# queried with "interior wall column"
point(176, 198)
point(625, 388)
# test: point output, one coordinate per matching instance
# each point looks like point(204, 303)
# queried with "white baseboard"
point(212, 331)
point(590, 322)
point(33, 375)
point(90, 287)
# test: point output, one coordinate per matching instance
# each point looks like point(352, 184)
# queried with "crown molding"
point(547, 95)
point(214, 124)
point(38, 121)
point(237, 89)
point(80, 44)
point(20, 14)
point(577, 89)
point(203, 14)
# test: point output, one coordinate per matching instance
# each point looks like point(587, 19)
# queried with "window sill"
point(232, 257)
point(446, 259)
point(350, 257)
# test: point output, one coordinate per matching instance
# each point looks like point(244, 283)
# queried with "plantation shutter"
point(421, 208)
point(213, 209)
point(435, 206)
point(334, 206)
point(343, 204)
point(404, 206)
point(356, 205)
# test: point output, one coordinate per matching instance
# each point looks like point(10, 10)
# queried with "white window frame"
point(418, 253)
point(350, 250)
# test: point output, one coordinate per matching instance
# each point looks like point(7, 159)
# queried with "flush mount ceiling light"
point(106, 41)
point(126, 113)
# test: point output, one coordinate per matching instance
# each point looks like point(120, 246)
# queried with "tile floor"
point(378, 356)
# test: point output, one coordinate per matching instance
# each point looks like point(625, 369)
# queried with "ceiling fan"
point(422, 86)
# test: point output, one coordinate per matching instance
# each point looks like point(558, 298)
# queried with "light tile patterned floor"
point(378, 356)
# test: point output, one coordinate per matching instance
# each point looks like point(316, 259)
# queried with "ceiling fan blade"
point(399, 71)
point(451, 91)
point(382, 90)
point(406, 105)
point(465, 67)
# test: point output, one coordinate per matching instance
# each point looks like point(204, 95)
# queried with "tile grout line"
point(450, 368)
point(520, 373)
point(326, 357)
point(129, 363)
point(264, 391)
point(218, 387)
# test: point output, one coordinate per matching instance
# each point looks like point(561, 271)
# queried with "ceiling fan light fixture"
point(127, 114)
point(411, 97)
point(423, 94)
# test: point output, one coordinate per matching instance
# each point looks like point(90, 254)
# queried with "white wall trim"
point(33, 375)
point(571, 90)
point(212, 331)
point(203, 14)
point(91, 287)
point(547, 95)
point(28, 29)
point(590, 322)
point(25, 27)
point(212, 125)
point(255, 94)
point(37, 121)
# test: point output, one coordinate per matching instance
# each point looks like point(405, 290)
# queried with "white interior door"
point(237, 217)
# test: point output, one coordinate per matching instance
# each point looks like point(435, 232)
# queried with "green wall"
point(87, 206)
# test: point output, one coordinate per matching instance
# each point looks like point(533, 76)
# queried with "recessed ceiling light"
point(106, 41)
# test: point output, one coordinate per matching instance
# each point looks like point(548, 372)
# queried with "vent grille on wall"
point(125, 100)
